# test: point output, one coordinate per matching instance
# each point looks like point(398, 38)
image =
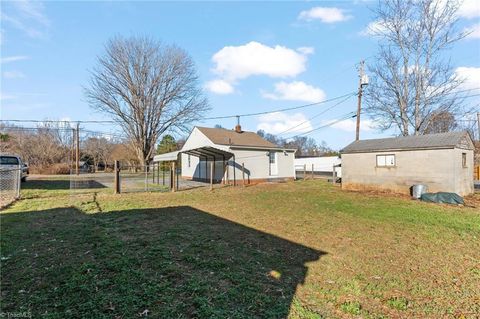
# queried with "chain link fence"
point(10, 182)
point(138, 178)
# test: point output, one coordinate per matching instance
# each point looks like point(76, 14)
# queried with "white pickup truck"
point(13, 162)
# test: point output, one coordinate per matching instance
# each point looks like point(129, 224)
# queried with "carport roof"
point(205, 151)
point(208, 151)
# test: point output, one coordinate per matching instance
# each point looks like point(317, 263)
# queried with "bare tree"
point(411, 80)
point(441, 122)
point(148, 88)
point(98, 149)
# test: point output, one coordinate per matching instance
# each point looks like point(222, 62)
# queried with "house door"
point(273, 163)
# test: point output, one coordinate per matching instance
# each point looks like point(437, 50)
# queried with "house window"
point(272, 157)
point(385, 160)
point(464, 159)
point(189, 162)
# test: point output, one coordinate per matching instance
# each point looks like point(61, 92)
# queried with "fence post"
point(19, 182)
point(145, 168)
point(211, 175)
point(304, 171)
point(116, 169)
point(243, 173)
point(172, 179)
point(153, 173)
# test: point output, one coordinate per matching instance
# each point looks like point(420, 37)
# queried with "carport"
point(208, 154)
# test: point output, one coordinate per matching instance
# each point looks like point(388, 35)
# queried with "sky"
point(250, 57)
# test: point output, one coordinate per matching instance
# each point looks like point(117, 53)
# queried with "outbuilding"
point(228, 156)
point(443, 162)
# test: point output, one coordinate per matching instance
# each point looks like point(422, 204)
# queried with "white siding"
point(256, 161)
point(320, 164)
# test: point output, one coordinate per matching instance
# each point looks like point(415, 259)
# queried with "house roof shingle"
point(223, 136)
point(428, 141)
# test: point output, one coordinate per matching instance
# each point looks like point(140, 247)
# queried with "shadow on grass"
point(61, 184)
point(176, 262)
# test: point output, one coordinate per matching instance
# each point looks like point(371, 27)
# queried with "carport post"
point(158, 173)
point(223, 180)
point(312, 170)
point(304, 171)
point(234, 169)
point(116, 169)
point(333, 174)
point(243, 173)
point(228, 172)
point(206, 168)
point(211, 176)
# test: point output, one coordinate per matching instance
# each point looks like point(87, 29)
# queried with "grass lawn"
point(300, 250)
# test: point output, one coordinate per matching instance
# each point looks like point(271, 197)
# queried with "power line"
point(22, 128)
point(317, 115)
point(345, 117)
point(279, 110)
point(223, 116)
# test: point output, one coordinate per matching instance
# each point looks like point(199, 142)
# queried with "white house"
point(231, 154)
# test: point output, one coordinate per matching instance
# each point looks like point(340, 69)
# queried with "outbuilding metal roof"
point(428, 141)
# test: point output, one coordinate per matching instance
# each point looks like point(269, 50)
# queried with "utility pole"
point(363, 81)
point(77, 149)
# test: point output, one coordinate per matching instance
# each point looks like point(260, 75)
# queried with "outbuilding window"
point(385, 160)
point(464, 159)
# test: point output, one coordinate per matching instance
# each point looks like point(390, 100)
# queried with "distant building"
point(443, 162)
point(322, 165)
point(233, 153)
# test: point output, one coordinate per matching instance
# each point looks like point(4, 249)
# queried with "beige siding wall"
point(440, 170)
point(463, 175)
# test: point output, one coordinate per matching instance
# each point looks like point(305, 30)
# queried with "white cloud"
point(239, 62)
point(473, 31)
point(373, 28)
point(279, 122)
point(14, 58)
point(469, 9)
point(295, 91)
point(4, 97)
point(306, 50)
point(471, 76)
point(33, 10)
point(324, 14)
point(219, 87)
point(28, 17)
point(350, 125)
point(13, 75)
